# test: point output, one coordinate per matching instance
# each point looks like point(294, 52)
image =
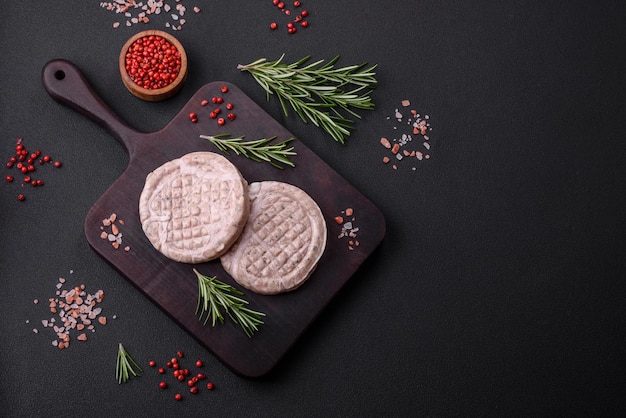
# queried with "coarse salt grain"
point(73, 308)
point(348, 228)
point(399, 146)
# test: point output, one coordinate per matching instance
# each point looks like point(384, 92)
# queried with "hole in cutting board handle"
point(59, 74)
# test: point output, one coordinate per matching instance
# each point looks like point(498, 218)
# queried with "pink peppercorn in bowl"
point(153, 65)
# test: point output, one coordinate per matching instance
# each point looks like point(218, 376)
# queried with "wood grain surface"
point(173, 286)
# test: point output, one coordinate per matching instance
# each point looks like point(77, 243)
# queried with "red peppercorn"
point(201, 376)
point(152, 62)
point(163, 385)
point(199, 363)
point(181, 377)
point(9, 164)
point(296, 3)
point(304, 13)
point(176, 373)
point(39, 182)
point(281, 5)
point(224, 89)
point(219, 100)
point(9, 179)
point(178, 397)
point(193, 390)
point(190, 383)
point(57, 164)
point(210, 386)
point(169, 364)
point(24, 169)
point(273, 25)
point(27, 179)
point(193, 116)
point(213, 99)
point(229, 106)
point(21, 197)
point(47, 158)
point(304, 24)
point(221, 121)
point(152, 363)
point(180, 354)
point(217, 111)
point(231, 116)
point(212, 115)
point(204, 102)
point(161, 370)
point(275, 2)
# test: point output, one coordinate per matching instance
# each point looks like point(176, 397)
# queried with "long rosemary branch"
point(257, 150)
point(215, 295)
point(318, 92)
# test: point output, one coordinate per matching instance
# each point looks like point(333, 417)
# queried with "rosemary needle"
point(215, 295)
point(257, 150)
point(317, 91)
point(125, 366)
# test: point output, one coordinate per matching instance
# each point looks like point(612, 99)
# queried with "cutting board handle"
point(66, 84)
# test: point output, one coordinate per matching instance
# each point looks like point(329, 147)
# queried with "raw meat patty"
point(192, 209)
point(283, 240)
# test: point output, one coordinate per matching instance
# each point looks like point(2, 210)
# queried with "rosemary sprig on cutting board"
point(318, 92)
point(257, 150)
point(215, 295)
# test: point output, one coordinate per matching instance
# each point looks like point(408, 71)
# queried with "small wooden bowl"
point(154, 95)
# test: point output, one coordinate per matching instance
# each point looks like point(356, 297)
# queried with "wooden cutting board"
point(173, 286)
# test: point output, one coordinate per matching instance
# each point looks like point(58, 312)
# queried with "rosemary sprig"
point(125, 366)
point(214, 295)
point(316, 91)
point(257, 150)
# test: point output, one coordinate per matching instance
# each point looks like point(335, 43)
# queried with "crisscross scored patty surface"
point(193, 208)
point(283, 240)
